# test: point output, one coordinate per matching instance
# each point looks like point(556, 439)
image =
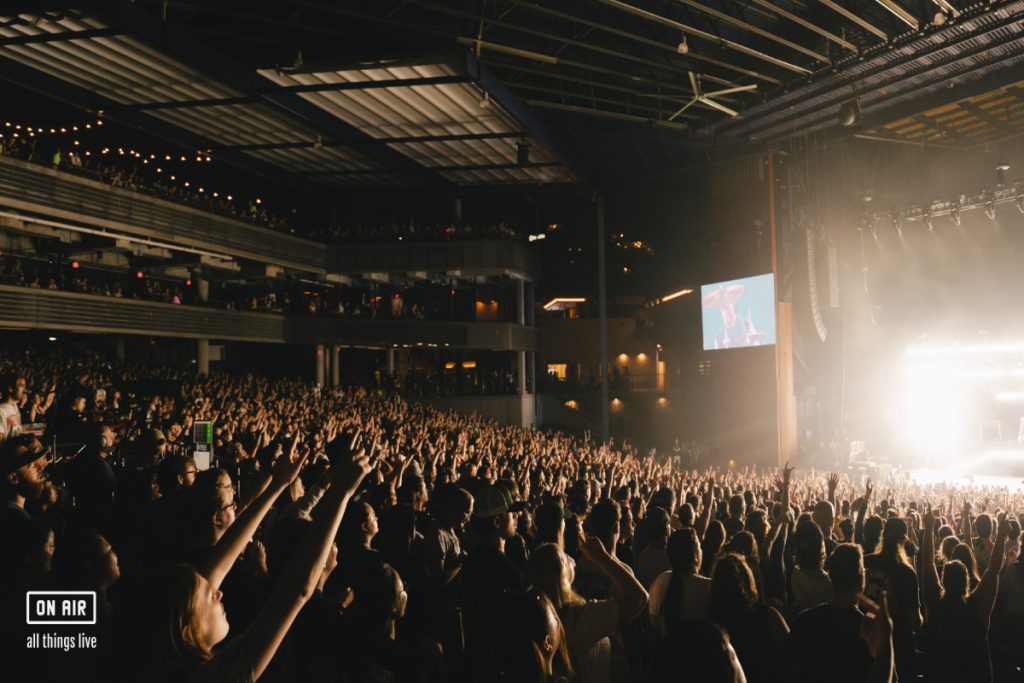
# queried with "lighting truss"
point(706, 98)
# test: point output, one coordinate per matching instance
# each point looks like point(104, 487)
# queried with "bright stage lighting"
point(932, 416)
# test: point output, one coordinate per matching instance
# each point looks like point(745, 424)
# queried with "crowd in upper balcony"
point(423, 301)
point(120, 168)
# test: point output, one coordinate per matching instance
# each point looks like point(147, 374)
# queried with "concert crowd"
point(350, 535)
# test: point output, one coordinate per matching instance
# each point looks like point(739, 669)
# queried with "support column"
point(335, 366)
point(321, 363)
point(521, 319)
point(203, 356)
point(119, 348)
point(531, 357)
point(202, 289)
point(602, 307)
point(390, 360)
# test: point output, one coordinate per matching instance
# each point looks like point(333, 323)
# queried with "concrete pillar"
point(335, 366)
point(119, 348)
point(391, 361)
point(521, 319)
point(203, 356)
point(202, 290)
point(321, 362)
point(602, 307)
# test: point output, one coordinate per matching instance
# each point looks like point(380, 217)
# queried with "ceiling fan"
point(705, 98)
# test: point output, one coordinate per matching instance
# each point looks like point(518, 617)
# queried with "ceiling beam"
point(704, 35)
point(533, 7)
point(733, 21)
point(863, 23)
point(796, 19)
point(561, 39)
point(438, 169)
point(591, 98)
point(985, 116)
point(900, 13)
point(468, 137)
point(260, 93)
point(602, 113)
point(85, 34)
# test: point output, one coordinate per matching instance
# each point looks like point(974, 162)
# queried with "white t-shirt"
point(588, 631)
point(696, 590)
point(10, 419)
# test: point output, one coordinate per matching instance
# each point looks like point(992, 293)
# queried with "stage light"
point(1001, 170)
point(682, 48)
point(74, 264)
point(53, 339)
point(138, 274)
point(850, 113)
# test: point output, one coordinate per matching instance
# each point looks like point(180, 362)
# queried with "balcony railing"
point(32, 308)
point(82, 201)
point(469, 258)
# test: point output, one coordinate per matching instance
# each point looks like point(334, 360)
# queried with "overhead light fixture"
point(939, 19)
point(560, 301)
point(850, 113)
point(485, 103)
point(683, 47)
point(673, 295)
point(1001, 170)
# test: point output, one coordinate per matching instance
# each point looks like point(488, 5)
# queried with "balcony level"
point(465, 259)
point(31, 308)
point(74, 200)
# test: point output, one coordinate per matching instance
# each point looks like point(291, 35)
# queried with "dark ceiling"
point(616, 79)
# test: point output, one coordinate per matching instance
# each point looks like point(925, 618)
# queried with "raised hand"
point(287, 467)
point(833, 483)
point(348, 472)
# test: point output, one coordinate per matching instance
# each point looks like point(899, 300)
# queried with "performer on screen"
point(736, 332)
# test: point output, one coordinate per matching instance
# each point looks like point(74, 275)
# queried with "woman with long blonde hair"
point(588, 625)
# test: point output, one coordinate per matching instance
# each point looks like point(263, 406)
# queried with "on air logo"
point(60, 608)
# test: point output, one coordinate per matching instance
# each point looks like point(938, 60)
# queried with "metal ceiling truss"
point(954, 52)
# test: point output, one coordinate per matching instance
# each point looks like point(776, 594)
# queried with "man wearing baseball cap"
point(22, 462)
point(487, 575)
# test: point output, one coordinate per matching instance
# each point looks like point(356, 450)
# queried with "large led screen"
point(738, 313)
